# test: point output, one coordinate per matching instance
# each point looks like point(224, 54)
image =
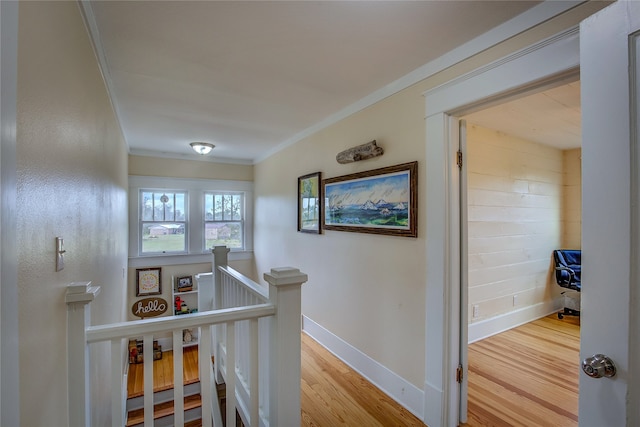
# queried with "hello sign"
point(149, 307)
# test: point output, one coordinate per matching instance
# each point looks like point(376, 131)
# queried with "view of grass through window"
point(163, 216)
point(223, 220)
point(163, 243)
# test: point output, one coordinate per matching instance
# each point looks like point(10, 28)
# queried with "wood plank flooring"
point(335, 395)
point(527, 376)
point(163, 372)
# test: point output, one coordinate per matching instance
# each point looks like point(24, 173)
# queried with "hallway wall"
point(72, 182)
point(366, 293)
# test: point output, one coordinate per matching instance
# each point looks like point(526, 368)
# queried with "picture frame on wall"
point(148, 281)
point(310, 203)
point(379, 201)
point(184, 284)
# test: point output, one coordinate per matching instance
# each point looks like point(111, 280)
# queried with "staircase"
point(163, 393)
point(163, 408)
point(252, 328)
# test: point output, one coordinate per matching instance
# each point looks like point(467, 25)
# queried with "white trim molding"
point(488, 327)
point(396, 387)
point(550, 62)
point(195, 243)
point(9, 338)
point(526, 20)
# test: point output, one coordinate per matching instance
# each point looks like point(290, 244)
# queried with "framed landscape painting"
point(310, 203)
point(379, 201)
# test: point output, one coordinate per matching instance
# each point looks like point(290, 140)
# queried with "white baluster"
point(178, 380)
point(204, 364)
point(148, 379)
point(117, 403)
point(231, 374)
point(254, 408)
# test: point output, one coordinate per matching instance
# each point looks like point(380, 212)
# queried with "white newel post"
point(219, 259)
point(285, 291)
point(78, 298)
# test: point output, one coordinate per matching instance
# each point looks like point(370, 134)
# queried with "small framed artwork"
point(148, 281)
point(310, 203)
point(379, 201)
point(184, 284)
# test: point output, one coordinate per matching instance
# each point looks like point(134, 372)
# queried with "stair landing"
point(163, 372)
point(165, 409)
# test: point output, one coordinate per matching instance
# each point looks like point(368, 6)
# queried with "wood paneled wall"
point(572, 199)
point(515, 209)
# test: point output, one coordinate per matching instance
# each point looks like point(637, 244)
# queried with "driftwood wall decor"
point(360, 152)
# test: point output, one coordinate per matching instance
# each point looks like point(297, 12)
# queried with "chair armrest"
point(572, 274)
point(562, 267)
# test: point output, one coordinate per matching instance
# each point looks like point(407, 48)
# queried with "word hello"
point(149, 307)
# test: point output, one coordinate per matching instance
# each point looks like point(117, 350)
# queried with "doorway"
point(547, 64)
point(523, 200)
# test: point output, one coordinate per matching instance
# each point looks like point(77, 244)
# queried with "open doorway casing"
point(551, 62)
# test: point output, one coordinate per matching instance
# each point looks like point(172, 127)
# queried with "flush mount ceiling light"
point(202, 148)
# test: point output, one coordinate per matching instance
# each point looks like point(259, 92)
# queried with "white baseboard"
point(396, 387)
point(503, 322)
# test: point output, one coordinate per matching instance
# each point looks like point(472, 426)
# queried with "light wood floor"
point(335, 395)
point(527, 376)
point(163, 372)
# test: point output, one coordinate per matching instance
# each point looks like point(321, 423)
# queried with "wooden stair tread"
point(162, 410)
point(163, 373)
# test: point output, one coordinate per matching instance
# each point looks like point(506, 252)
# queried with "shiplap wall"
point(572, 199)
point(515, 209)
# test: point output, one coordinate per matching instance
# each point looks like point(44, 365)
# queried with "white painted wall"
point(515, 199)
point(183, 168)
point(72, 182)
point(367, 294)
point(367, 290)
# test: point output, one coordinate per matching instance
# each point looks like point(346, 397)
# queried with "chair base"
point(568, 312)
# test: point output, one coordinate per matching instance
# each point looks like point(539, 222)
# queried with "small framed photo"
point(184, 284)
point(148, 281)
point(310, 203)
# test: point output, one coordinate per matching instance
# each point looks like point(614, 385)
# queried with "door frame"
point(548, 63)
point(9, 340)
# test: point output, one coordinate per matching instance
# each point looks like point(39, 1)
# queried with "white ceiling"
point(551, 117)
point(248, 76)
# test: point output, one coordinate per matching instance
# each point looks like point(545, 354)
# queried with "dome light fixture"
point(202, 148)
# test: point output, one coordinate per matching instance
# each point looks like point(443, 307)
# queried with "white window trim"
point(196, 189)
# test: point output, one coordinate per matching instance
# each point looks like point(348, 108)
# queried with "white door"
point(609, 63)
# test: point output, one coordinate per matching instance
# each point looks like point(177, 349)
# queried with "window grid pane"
point(224, 222)
point(163, 221)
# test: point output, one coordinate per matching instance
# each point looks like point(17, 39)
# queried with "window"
point(223, 216)
point(176, 221)
point(163, 221)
